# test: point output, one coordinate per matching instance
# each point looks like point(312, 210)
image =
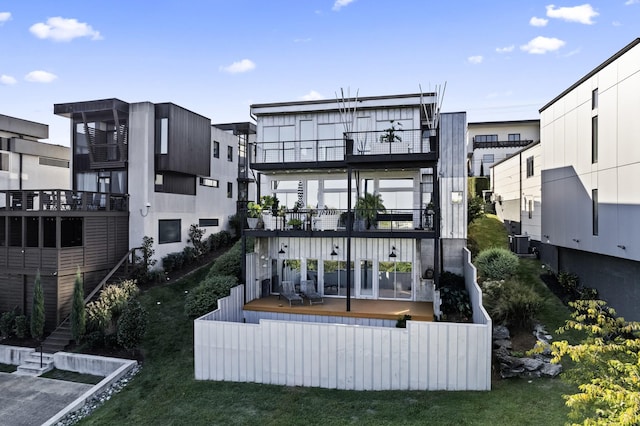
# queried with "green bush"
point(7, 323)
point(475, 209)
point(195, 238)
point(189, 254)
point(132, 325)
point(511, 302)
point(173, 261)
point(455, 301)
point(569, 282)
point(98, 316)
point(204, 298)
point(21, 326)
point(496, 263)
point(37, 310)
point(113, 299)
point(449, 279)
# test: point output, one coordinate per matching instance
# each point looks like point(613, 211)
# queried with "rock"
point(502, 343)
point(531, 364)
point(551, 370)
point(502, 354)
point(500, 332)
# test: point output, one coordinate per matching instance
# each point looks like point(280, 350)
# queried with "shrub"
point(204, 298)
point(37, 310)
point(98, 316)
point(449, 279)
point(475, 209)
point(195, 238)
point(21, 326)
point(455, 301)
point(236, 224)
point(132, 325)
point(103, 312)
point(496, 263)
point(94, 339)
point(511, 302)
point(173, 261)
point(189, 254)
point(7, 323)
point(569, 282)
point(473, 246)
point(78, 313)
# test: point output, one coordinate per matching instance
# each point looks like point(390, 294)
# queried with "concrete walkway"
point(28, 401)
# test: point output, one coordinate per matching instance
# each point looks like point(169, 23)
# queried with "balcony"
point(502, 144)
point(309, 222)
point(60, 200)
point(403, 146)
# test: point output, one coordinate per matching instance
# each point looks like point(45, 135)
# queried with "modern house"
point(372, 195)
point(492, 141)
point(27, 163)
point(515, 188)
point(371, 210)
point(590, 171)
point(137, 169)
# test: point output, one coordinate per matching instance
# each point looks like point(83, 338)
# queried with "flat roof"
point(531, 145)
point(504, 122)
point(100, 105)
point(242, 128)
point(593, 72)
point(23, 127)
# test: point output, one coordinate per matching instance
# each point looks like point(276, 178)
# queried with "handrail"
point(110, 274)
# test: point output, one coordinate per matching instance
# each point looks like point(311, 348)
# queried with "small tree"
point(78, 314)
point(132, 325)
point(148, 252)
point(195, 238)
point(607, 365)
point(37, 310)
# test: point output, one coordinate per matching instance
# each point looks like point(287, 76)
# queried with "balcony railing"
point(62, 200)
point(361, 220)
point(502, 144)
point(353, 143)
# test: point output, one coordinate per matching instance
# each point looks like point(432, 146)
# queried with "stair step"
point(33, 370)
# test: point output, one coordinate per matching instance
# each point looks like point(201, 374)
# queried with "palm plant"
point(368, 206)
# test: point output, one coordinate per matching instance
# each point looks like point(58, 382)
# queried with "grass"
point(488, 231)
point(7, 368)
point(71, 376)
point(165, 392)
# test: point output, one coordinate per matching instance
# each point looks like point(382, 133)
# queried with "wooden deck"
point(360, 308)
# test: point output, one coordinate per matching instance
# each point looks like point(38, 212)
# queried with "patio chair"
point(308, 289)
point(288, 292)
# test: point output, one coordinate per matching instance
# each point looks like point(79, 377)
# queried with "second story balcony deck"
point(61, 201)
point(501, 144)
point(404, 147)
point(324, 222)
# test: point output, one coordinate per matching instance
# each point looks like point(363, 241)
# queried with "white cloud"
point(475, 59)
point(238, 67)
point(616, 23)
point(630, 2)
point(40, 77)
point(541, 45)
point(538, 22)
point(312, 96)
point(62, 29)
point(7, 80)
point(4, 17)
point(505, 49)
point(581, 14)
point(339, 4)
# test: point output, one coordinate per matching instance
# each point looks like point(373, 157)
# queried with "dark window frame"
point(203, 223)
point(229, 189)
point(169, 235)
point(210, 182)
point(530, 169)
point(216, 149)
point(229, 153)
point(594, 98)
point(594, 211)
point(513, 137)
point(594, 139)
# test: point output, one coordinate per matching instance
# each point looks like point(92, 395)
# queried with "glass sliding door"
point(395, 280)
point(335, 277)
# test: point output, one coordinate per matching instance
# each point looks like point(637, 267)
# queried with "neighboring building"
point(493, 141)
point(138, 169)
point(26, 163)
point(319, 158)
point(590, 175)
point(515, 185)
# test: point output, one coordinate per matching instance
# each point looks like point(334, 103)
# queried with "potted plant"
point(367, 208)
point(254, 211)
point(390, 133)
point(270, 203)
point(295, 223)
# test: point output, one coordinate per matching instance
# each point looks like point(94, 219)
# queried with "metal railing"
point(413, 141)
point(62, 200)
point(339, 219)
point(502, 144)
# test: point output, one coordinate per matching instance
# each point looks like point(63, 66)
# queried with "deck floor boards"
point(360, 308)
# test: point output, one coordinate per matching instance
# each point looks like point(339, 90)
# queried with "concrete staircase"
point(32, 367)
point(59, 339)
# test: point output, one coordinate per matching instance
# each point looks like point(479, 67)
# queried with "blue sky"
point(501, 60)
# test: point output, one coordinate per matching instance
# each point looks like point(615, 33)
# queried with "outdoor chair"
point(288, 292)
point(308, 289)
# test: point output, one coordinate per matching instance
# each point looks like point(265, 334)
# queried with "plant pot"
point(252, 222)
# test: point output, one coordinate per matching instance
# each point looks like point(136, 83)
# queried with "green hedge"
point(204, 297)
point(496, 263)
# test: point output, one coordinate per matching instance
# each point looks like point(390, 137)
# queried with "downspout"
point(349, 226)
point(20, 173)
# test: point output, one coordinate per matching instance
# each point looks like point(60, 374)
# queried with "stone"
point(551, 370)
point(500, 332)
point(531, 364)
point(502, 343)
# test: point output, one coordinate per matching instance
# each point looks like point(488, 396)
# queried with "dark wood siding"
point(189, 142)
point(11, 292)
point(65, 297)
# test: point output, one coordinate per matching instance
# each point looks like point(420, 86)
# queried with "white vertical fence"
point(424, 356)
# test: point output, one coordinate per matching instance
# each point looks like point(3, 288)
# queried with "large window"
point(4, 161)
point(487, 159)
point(169, 231)
point(594, 139)
point(213, 183)
point(216, 149)
point(71, 231)
point(485, 138)
point(594, 201)
point(394, 280)
point(529, 166)
point(229, 153)
point(513, 137)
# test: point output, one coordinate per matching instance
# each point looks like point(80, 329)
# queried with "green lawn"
point(71, 376)
point(165, 392)
point(488, 231)
point(7, 368)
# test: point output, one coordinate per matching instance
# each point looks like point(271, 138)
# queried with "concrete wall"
point(453, 176)
point(14, 355)
point(31, 174)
